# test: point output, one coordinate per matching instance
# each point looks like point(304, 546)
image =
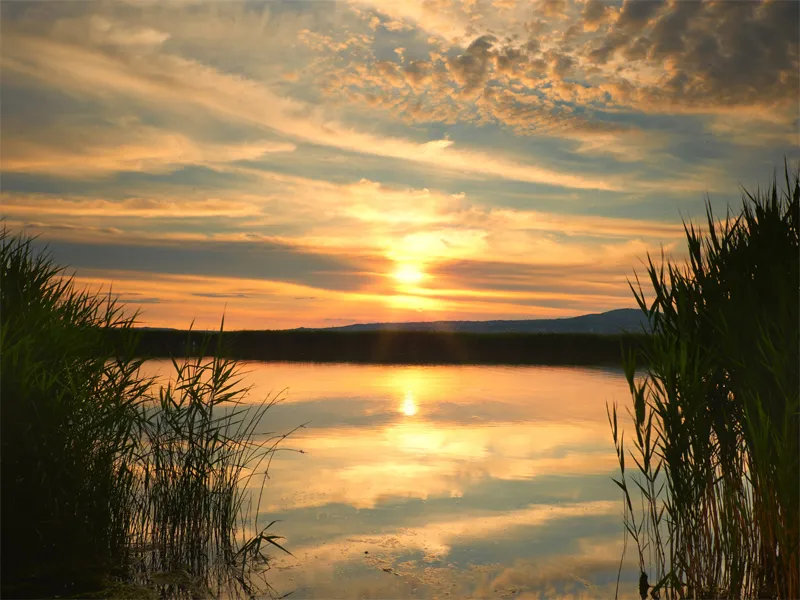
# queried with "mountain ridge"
point(609, 322)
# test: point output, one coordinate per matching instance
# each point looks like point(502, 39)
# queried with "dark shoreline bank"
point(398, 347)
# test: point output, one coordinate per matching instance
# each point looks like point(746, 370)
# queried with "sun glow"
point(408, 274)
point(409, 385)
point(409, 406)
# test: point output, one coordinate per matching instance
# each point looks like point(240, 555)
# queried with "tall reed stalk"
point(716, 416)
point(199, 454)
point(108, 477)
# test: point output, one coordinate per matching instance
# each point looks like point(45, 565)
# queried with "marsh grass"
point(201, 464)
point(711, 499)
point(110, 479)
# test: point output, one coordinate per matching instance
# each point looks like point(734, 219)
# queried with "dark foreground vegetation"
point(111, 485)
point(405, 347)
point(715, 437)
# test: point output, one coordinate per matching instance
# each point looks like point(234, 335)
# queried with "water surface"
point(444, 481)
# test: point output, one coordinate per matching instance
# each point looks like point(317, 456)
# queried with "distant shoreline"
point(397, 347)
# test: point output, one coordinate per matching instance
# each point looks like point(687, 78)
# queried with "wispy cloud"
point(178, 82)
point(104, 153)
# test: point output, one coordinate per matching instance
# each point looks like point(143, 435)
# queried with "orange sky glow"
point(321, 164)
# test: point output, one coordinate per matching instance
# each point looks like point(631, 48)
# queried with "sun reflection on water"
point(409, 406)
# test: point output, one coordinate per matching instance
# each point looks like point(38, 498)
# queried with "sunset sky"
point(325, 163)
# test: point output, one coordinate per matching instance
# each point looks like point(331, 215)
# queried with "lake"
point(443, 481)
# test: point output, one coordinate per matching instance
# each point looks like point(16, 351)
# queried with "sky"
point(324, 163)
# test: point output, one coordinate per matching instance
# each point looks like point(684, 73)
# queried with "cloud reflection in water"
point(498, 487)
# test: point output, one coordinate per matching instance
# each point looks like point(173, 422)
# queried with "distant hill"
point(613, 321)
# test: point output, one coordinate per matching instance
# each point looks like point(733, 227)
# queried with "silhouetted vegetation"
point(406, 347)
point(109, 480)
point(716, 419)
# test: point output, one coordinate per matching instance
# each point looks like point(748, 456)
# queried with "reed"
point(716, 414)
point(202, 470)
point(109, 478)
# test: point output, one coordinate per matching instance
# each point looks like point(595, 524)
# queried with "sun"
point(408, 274)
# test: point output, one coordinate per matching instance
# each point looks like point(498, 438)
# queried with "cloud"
point(104, 31)
point(595, 14)
point(146, 208)
point(175, 83)
point(715, 53)
point(245, 260)
point(513, 85)
point(96, 151)
point(396, 26)
point(470, 68)
point(551, 8)
point(246, 303)
point(221, 294)
point(480, 260)
point(445, 18)
point(645, 57)
point(635, 15)
point(400, 224)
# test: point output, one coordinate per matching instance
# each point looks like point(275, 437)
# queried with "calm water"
point(444, 481)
